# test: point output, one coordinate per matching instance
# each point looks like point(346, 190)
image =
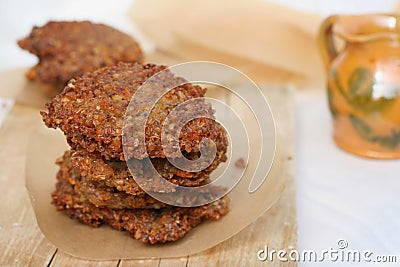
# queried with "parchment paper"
point(104, 243)
point(16, 86)
point(250, 32)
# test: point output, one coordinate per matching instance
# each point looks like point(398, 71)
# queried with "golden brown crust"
point(116, 174)
point(91, 109)
point(147, 225)
point(67, 49)
point(101, 195)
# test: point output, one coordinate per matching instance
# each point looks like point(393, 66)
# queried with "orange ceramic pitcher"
point(363, 79)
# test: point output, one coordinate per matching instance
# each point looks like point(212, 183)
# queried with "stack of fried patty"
point(94, 184)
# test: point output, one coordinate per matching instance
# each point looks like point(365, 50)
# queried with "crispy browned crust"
point(67, 49)
point(101, 195)
point(90, 111)
point(116, 174)
point(147, 225)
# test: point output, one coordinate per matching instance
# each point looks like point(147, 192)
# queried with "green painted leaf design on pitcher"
point(358, 80)
point(331, 102)
point(365, 132)
point(361, 127)
point(360, 91)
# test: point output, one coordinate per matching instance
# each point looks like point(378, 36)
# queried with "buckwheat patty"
point(115, 173)
point(91, 109)
point(147, 225)
point(67, 49)
point(101, 195)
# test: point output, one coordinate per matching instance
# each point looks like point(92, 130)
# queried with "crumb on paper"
point(5, 106)
point(240, 163)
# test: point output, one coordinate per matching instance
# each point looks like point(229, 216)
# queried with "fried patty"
point(117, 176)
point(90, 111)
point(147, 225)
point(101, 195)
point(115, 173)
point(67, 49)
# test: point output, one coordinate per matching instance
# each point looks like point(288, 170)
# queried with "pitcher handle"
point(326, 42)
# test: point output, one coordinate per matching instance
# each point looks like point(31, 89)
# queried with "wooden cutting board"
point(22, 243)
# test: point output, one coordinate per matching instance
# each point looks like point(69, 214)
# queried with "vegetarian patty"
point(147, 225)
point(101, 195)
point(91, 109)
point(67, 49)
point(115, 173)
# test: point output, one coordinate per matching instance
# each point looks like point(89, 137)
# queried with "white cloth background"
point(339, 196)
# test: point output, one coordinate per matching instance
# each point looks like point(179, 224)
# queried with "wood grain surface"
point(22, 243)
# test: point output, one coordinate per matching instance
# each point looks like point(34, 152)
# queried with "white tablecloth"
point(339, 196)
